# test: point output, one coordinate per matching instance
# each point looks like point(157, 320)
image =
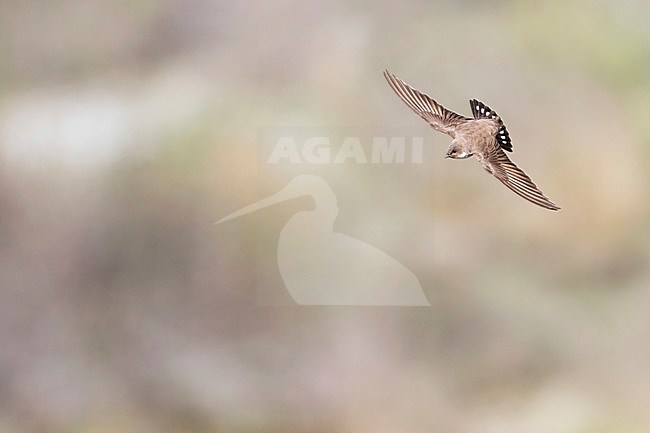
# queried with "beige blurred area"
point(127, 129)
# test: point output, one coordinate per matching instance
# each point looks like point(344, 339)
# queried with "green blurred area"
point(128, 128)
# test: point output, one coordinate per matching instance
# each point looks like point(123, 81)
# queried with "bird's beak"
point(447, 156)
point(284, 194)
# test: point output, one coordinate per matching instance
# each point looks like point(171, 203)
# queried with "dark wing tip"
point(388, 75)
point(535, 196)
point(552, 206)
point(517, 180)
point(437, 116)
point(393, 81)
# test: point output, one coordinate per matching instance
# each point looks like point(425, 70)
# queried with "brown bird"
point(485, 137)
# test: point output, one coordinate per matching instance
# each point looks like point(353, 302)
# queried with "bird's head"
point(457, 151)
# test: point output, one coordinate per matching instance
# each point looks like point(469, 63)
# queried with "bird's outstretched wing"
point(440, 119)
point(482, 111)
point(496, 162)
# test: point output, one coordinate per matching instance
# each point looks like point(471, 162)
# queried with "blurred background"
point(128, 128)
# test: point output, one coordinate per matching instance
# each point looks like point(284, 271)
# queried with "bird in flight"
point(485, 137)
